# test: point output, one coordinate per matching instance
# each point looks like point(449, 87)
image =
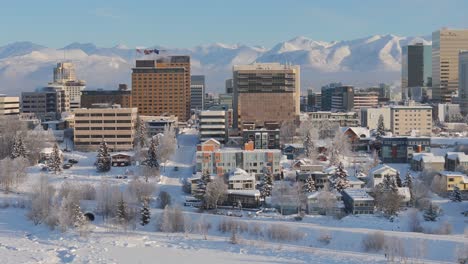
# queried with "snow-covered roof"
point(428, 157)
point(380, 168)
point(358, 194)
point(455, 174)
point(294, 145)
point(461, 156)
point(211, 140)
point(245, 192)
point(361, 132)
point(354, 180)
point(240, 175)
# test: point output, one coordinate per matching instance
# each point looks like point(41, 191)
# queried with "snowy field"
point(23, 242)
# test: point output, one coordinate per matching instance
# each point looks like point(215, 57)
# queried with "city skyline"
point(202, 22)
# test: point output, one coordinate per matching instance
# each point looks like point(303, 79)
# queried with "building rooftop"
point(461, 156)
point(240, 175)
point(358, 194)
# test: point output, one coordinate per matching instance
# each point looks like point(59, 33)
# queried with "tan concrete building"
point(162, 87)
point(265, 92)
point(114, 125)
point(446, 45)
point(365, 100)
point(370, 117)
point(9, 105)
point(411, 119)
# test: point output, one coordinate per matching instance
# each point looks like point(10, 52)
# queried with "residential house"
point(427, 161)
point(377, 174)
point(243, 198)
point(121, 160)
point(239, 179)
point(358, 201)
point(314, 208)
point(293, 151)
point(359, 137)
point(453, 178)
point(453, 160)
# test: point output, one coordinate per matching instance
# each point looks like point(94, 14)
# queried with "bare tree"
point(287, 131)
point(283, 195)
point(172, 220)
point(414, 221)
point(107, 197)
point(326, 201)
point(167, 144)
point(140, 190)
point(216, 193)
point(41, 200)
point(374, 241)
point(164, 199)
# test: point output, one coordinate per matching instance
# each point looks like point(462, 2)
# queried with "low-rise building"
point(359, 137)
point(411, 120)
point(219, 161)
point(243, 198)
point(452, 179)
point(239, 179)
point(156, 124)
point(345, 119)
point(402, 149)
point(315, 208)
point(358, 201)
point(46, 104)
point(121, 160)
point(370, 117)
point(262, 138)
point(9, 105)
point(455, 160)
point(378, 173)
point(114, 125)
point(427, 161)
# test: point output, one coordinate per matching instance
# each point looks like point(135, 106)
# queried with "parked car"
point(121, 177)
point(67, 166)
point(192, 201)
point(72, 161)
point(269, 212)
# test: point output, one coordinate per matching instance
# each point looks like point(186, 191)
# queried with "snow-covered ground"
point(22, 242)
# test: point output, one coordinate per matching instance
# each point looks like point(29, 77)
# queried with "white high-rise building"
point(65, 79)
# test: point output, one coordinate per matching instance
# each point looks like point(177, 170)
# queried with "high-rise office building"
point(162, 87)
point(229, 85)
point(416, 68)
point(327, 93)
point(65, 79)
point(9, 105)
point(342, 99)
point(265, 92)
point(65, 71)
point(314, 101)
point(446, 44)
point(197, 92)
point(463, 82)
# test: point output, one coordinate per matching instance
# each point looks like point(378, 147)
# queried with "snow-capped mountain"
point(365, 61)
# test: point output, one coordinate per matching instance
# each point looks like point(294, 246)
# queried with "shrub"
point(374, 241)
point(164, 199)
point(324, 238)
point(281, 232)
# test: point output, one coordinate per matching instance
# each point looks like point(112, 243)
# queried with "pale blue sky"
point(176, 23)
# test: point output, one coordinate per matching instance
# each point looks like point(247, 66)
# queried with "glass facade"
point(416, 68)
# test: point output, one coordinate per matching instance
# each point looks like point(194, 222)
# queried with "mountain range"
point(367, 61)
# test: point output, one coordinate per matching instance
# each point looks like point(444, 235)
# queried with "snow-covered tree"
point(309, 185)
point(326, 201)
point(152, 156)
point(338, 147)
point(380, 127)
point(431, 213)
point(41, 200)
point(398, 180)
point(199, 193)
point(287, 132)
point(19, 149)
point(103, 159)
point(70, 214)
point(216, 193)
point(167, 144)
point(408, 182)
point(55, 160)
point(455, 196)
point(12, 172)
point(107, 196)
point(140, 134)
point(145, 214)
point(266, 185)
point(387, 197)
point(340, 180)
point(172, 220)
point(122, 216)
point(283, 194)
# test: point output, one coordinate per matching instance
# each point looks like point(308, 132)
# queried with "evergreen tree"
point(145, 215)
point(340, 178)
point(389, 184)
point(408, 182)
point(54, 162)
point(309, 185)
point(455, 196)
point(19, 149)
point(140, 136)
point(78, 217)
point(152, 156)
point(122, 211)
point(380, 127)
point(308, 144)
point(103, 159)
point(267, 186)
point(431, 213)
point(199, 193)
point(398, 180)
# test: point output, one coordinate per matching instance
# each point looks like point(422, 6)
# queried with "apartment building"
point(411, 120)
point(218, 161)
point(402, 149)
point(197, 92)
point(9, 105)
point(446, 45)
point(265, 92)
point(213, 124)
point(162, 87)
point(262, 138)
point(112, 124)
point(121, 97)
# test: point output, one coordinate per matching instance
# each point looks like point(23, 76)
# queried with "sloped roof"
point(428, 157)
point(361, 132)
point(461, 156)
point(381, 167)
point(240, 174)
